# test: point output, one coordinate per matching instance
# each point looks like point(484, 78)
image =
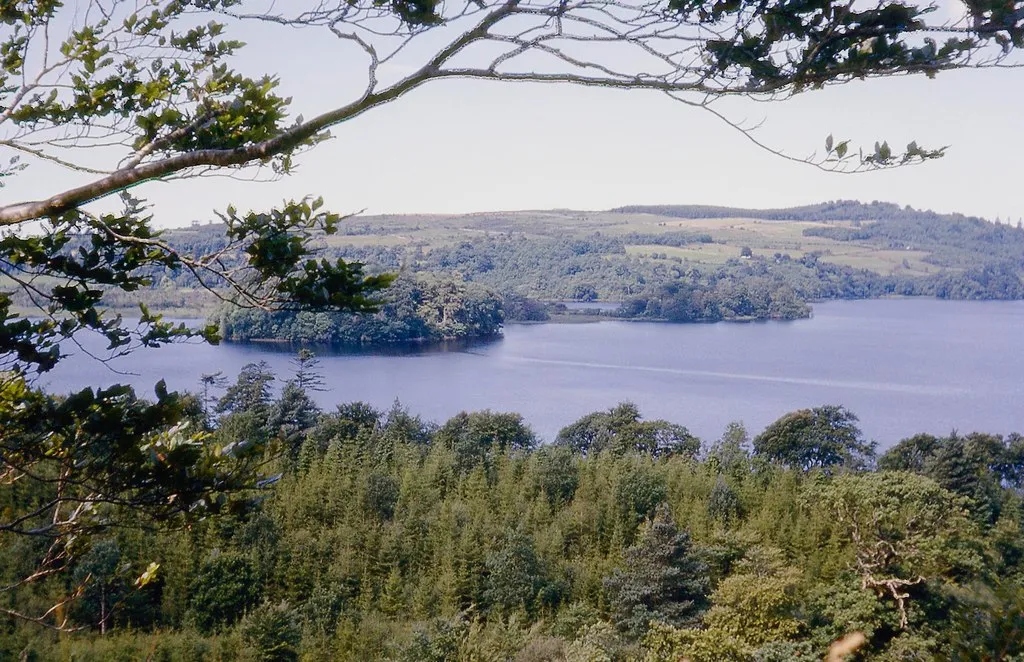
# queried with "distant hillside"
point(679, 262)
point(840, 210)
point(950, 240)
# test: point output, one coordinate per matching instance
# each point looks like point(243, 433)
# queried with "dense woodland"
point(418, 308)
point(837, 210)
point(380, 536)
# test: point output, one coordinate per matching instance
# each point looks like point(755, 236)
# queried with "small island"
point(418, 308)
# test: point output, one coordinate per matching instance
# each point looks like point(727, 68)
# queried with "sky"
point(469, 146)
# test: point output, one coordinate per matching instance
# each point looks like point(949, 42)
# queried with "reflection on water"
point(395, 349)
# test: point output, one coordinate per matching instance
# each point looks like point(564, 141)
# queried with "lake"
point(902, 365)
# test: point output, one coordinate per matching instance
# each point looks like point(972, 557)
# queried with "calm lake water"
point(903, 366)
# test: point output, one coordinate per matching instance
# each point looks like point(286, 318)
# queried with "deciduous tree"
point(905, 530)
point(822, 437)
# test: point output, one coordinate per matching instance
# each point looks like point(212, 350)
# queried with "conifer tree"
point(661, 579)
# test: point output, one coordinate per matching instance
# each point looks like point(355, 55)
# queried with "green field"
point(729, 235)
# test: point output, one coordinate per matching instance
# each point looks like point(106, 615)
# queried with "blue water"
point(903, 366)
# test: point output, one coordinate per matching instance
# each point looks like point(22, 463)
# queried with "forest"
point(418, 308)
point(378, 535)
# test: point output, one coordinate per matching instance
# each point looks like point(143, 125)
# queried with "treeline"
point(978, 259)
point(416, 308)
point(838, 210)
point(390, 538)
point(953, 241)
point(982, 260)
point(753, 298)
point(598, 268)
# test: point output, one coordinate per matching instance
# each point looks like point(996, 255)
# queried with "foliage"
point(381, 541)
point(250, 392)
point(822, 437)
point(757, 603)
point(723, 502)
point(620, 430)
point(731, 452)
point(905, 529)
point(990, 623)
point(660, 580)
point(479, 438)
point(125, 93)
point(273, 632)
point(551, 259)
point(419, 308)
point(974, 466)
point(515, 577)
point(223, 590)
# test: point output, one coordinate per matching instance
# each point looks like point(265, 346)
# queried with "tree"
point(250, 392)
point(661, 579)
point(731, 453)
point(79, 465)
point(975, 466)
point(822, 437)
point(620, 430)
point(98, 572)
point(514, 575)
point(911, 454)
point(95, 105)
point(307, 371)
point(273, 632)
point(209, 381)
point(223, 590)
point(639, 493)
point(753, 611)
point(556, 474)
point(723, 502)
point(990, 624)
point(757, 603)
point(905, 530)
point(189, 110)
point(476, 438)
point(292, 416)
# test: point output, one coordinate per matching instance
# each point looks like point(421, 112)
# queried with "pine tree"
point(292, 416)
point(393, 601)
point(661, 579)
point(250, 392)
point(958, 470)
point(208, 382)
point(307, 371)
point(723, 504)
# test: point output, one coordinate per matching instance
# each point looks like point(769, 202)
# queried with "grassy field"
point(729, 235)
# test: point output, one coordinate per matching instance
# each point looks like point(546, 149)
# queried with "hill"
point(684, 263)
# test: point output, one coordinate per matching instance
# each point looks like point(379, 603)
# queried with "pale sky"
point(465, 146)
